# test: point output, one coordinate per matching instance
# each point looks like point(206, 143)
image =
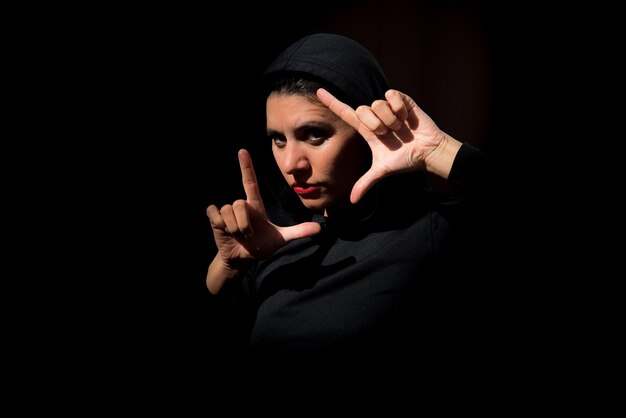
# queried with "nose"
point(294, 157)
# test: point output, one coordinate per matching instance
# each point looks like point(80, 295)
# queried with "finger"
point(382, 110)
point(363, 185)
point(302, 230)
point(398, 107)
point(339, 108)
point(215, 218)
point(240, 208)
point(414, 112)
point(229, 219)
point(370, 120)
point(248, 178)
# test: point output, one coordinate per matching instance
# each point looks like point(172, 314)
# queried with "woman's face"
point(320, 155)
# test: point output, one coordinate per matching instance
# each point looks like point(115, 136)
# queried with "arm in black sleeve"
point(470, 170)
point(233, 315)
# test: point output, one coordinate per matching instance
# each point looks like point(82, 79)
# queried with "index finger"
point(339, 108)
point(248, 178)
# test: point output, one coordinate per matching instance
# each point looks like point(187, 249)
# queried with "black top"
point(372, 281)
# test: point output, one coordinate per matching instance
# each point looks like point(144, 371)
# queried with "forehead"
point(295, 109)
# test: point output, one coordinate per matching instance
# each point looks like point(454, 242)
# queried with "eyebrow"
point(304, 127)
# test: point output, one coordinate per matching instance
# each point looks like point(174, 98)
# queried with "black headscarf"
point(351, 73)
point(345, 65)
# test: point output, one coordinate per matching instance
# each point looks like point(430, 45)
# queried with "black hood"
point(351, 70)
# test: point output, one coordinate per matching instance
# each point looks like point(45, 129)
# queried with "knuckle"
point(240, 203)
point(392, 93)
point(379, 105)
point(397, 106)
point(362, 110)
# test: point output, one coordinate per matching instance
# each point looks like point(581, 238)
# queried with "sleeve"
point(484, 293)
point(232, 312)
point(476, 214)
point(470, 169)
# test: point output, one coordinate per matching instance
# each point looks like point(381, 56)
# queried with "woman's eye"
point(316, 137)
point(278, 141)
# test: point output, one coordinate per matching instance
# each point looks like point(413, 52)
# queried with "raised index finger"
point(248, 178)
point(339, 108)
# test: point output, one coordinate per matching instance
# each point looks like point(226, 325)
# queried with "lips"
point(304, 189)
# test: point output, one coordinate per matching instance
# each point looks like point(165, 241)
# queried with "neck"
point(352, 212)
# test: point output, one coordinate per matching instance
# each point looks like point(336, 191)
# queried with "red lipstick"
point(305, 190)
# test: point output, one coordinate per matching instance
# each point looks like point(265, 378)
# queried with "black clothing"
point(383, 276)
point(370, 282)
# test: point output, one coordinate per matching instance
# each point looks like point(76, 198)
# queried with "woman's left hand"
point(401, 136)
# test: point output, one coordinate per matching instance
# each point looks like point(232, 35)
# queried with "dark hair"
point(298, 86)
point(288, 83)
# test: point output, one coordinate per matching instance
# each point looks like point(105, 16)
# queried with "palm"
point(405, 149)
point(262, 243)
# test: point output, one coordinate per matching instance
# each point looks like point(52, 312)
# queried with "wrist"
point(220, 271)
point(235, 268)
point(440, 160)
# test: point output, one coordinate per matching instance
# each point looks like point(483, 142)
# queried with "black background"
point(160, 102)
point(174, 101)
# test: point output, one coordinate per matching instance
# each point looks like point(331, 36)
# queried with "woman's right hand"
point(243, 231)
point(400, 134)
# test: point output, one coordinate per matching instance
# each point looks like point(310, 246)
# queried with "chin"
point(314, 204)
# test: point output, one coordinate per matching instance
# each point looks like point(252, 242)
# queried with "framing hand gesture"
point(243, 231)
point(401, 136)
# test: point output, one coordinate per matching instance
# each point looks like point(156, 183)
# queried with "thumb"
point(302, 230)
point(363, 185)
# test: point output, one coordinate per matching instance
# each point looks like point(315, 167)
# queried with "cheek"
point(278, 160)
point(351, 161)
point(344, 168)
point(329, 164)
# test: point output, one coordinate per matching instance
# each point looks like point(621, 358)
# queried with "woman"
point(351, 267)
